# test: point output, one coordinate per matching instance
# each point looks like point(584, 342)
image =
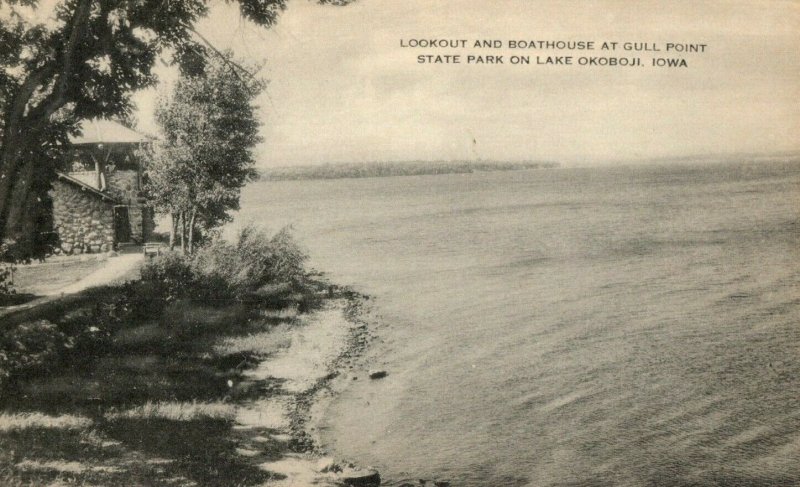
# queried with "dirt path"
point(116, 269)
point(112, 270)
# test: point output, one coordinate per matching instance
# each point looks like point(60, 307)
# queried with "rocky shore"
point(254, 383)
point(327, 355)
point(321, 349)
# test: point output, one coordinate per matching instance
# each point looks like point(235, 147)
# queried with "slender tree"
point(209, 129)
point(84, 60)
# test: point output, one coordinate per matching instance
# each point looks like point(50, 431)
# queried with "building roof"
point(86, 187)
point(101, 131)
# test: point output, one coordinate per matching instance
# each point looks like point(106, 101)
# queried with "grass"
point(145, 383)
point(152, 401)
point(177, 411)
point(263, 344)
point(41, 279)
point(21, 421)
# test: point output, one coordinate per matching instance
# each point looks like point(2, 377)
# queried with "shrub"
point(6, 283)
point(253, 261)
point(287, 259)
point(171, 272)
point(225, 270)
point(29, 346)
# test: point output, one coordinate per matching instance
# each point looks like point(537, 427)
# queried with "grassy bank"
point(146, 383)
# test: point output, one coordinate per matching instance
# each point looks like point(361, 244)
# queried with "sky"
point(342, 88)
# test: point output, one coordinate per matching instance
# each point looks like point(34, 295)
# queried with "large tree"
point(84, 60)
point(209, 129)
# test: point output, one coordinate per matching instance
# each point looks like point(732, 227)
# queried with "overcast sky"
point(343, 89)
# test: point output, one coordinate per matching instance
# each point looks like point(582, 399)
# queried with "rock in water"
point(377, 374)
point(360, 478)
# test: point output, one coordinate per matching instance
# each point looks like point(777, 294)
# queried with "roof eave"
point(85, 187)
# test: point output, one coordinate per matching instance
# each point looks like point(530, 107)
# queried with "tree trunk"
point(18, 210)
point(20, 192)
point(15, 138)
point(22, 132)
point(183, 232)
point(173, 225)
point(9, 166)
point(191, 230)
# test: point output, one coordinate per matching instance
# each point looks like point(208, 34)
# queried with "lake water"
point(604, 326)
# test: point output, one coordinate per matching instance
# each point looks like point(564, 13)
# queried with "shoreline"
point(313, 390)
point(343, 371)
point(255, 379)
point(351, 364)
point(288, 375)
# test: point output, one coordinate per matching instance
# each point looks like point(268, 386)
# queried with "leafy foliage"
point(210, 130)
point(30, 346)
point(223, 270)
point(66, 60)
point(172, 273)
point(6, 285)
point(254, 260)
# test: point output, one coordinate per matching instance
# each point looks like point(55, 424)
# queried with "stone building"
point(97, 201)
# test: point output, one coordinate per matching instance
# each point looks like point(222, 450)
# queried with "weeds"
point(254, 268)
point(177, 411)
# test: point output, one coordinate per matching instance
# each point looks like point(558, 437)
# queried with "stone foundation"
point(124, 186)
point(84, 222)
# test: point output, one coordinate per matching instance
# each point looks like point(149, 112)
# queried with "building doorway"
point(122, 225)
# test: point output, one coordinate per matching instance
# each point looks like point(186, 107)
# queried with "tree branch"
point(58, 97)
point(226, 59)
point(23, 96)
point(77, 27)
point(51, 104)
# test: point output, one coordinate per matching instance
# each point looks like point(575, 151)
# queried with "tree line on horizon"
point(389, 169)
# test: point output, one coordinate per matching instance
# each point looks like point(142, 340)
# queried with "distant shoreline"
point(391, 169)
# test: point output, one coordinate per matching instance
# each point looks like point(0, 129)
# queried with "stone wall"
point(84, 222)
point(124, 186)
